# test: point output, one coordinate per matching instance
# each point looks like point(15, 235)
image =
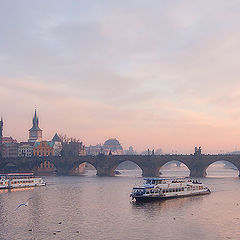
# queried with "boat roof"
point(168, 178)
point(16, 174)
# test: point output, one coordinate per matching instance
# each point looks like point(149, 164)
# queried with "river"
point(91, 207)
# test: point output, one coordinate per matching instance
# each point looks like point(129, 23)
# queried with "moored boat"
point(20, 180)
point(164, 188)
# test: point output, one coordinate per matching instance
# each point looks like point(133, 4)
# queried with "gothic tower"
point(35, 133)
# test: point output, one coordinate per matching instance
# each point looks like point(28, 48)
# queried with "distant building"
point(25, 149)
point(112, 146)
point(130, 151)
point(10, 150)
point(56, 138)
point(73, 148)
point(43, 148)
point(94, 150)
point(1, 134)
point(57, 145)
point(8, 140)
point(4, 140)
point(8, 145)
point(1, 130)
point(35, 133)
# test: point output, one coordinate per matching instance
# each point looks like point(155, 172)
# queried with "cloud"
point(145, 72)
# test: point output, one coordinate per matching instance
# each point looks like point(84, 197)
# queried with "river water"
point(91, 207)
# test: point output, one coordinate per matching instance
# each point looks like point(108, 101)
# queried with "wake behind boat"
point(20, 180)
point(164, 188)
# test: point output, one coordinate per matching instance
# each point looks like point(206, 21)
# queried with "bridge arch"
point(126, 166)
point(118, 163)
point(81, 166)
point(232, 165)
point(181, 168)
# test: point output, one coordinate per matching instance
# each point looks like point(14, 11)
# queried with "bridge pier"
point(107, 172)
point(63, 171)
point(198, 172)
point(150, 172)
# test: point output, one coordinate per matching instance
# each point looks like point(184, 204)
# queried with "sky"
point(151, 73)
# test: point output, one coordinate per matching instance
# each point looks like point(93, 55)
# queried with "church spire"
point(35, 119)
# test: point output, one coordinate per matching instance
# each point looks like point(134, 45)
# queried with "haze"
point(154, 74)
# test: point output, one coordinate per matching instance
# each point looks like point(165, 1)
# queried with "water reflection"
point(159, 206)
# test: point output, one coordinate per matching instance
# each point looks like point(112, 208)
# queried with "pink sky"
point(153, 74)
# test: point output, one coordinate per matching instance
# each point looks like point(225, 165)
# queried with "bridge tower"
point(35, 133)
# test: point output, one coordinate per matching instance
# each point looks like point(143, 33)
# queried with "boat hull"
point(26, 186)
point(157, 198)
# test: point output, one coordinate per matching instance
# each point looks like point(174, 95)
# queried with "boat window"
point(182, 188)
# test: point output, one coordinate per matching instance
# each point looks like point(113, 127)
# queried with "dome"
point(112, 144)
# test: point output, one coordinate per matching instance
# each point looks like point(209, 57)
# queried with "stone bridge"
point(106, 165)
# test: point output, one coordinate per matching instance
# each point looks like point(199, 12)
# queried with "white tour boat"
point(163, 188)
point(20, 180)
